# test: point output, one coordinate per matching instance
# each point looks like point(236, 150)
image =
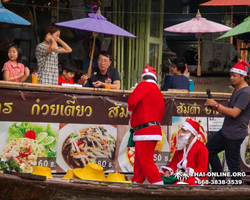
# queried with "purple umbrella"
point(97, 24)
point(198, 25)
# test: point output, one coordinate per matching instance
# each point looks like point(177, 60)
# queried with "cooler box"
point(191, 85)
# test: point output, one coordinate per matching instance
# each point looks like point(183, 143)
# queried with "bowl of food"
point(245, 151)
point(86, 144)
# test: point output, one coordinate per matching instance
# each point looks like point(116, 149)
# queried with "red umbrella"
point(230, 3)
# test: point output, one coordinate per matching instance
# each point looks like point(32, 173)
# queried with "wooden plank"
point(98, 91)
point(29, 176)
point(14, 188)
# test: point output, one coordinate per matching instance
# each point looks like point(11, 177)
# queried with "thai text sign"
point(87, 109)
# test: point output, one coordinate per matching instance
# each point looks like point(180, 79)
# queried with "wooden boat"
point(16, 188)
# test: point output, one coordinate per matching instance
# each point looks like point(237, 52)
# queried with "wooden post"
point(115, 37)
point(133, 52)
point(92, 55)
point(199, 55)
point(232, 17)
point(128, 59)
point(122, 46)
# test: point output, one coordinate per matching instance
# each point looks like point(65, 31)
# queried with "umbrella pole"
point(199, 55)
point(92, 55)
point(232, 20)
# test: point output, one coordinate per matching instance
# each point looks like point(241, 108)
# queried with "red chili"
point(24, 154)
point(79, 143)
point(30, 151)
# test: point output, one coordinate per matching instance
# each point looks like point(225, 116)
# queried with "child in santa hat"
point(147, 106)
point(191, 155)
point(234, 128)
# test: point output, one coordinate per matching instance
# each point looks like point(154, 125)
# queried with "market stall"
point(97, 120)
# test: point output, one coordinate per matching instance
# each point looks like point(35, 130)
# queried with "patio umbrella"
point(244, 27)
point(230, 3)
point(9, 17)
point(97, 24)
point(198, 25)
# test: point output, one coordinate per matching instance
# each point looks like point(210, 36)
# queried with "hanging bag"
point(131, 142)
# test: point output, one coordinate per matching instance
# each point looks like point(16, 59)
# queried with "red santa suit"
point(193, 159)
point(147, 106)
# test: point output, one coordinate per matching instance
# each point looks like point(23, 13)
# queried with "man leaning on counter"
point(100, 75)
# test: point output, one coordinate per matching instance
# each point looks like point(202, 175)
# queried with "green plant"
point(9, 165)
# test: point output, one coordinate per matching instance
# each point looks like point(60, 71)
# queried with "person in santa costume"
point(147, 106)
point(191, 154)
point(235, 125)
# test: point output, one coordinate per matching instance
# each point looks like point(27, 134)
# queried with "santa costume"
point(147, 106)
point(191, 159)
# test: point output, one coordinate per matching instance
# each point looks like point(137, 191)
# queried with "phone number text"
point(218, 182)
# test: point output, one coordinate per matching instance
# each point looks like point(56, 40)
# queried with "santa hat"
point(149, 71)
point(240, 68)
point(194, 127)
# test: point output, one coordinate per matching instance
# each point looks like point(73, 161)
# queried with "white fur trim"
point(164, 168)
point(189, 171)
point(129, 123)
point(151, 81)
point(147, 137)
point(187, 126)
point(149, 73)
point(158, 183)
point(183, 163)
point(238, 71)
point(182, 183)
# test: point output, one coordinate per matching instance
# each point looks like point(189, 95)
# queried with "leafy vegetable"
point(111, 142)
point(73, 135)
point(51, 153)
point(15, 132)
point(18, 131)
point(10, 165)
point(49, 131)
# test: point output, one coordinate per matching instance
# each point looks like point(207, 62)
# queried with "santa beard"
point(182, 140)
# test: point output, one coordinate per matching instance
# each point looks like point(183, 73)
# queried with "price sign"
point(161, 158)
point(106, 163)
point(47, 162)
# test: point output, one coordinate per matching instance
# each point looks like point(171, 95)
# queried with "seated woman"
point(178, 81)
point(191, 155)
point(102, 73)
